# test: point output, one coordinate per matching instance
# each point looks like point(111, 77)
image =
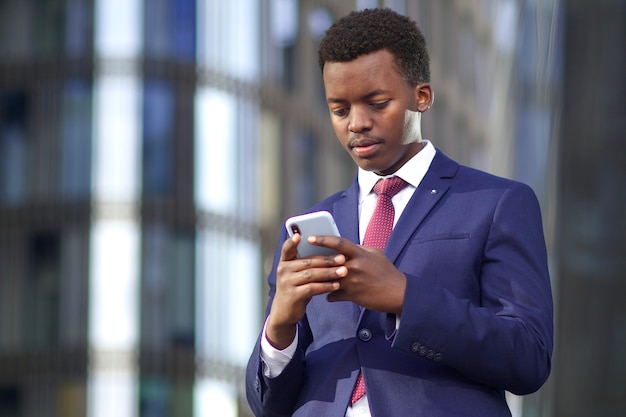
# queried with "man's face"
point(374, 111)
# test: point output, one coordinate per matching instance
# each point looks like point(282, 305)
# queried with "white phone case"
point(319, 223)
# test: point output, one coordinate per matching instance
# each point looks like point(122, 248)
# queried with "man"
point(455, 311)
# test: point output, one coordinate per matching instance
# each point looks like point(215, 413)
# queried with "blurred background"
point(151, 149)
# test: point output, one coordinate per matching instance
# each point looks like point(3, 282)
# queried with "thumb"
point(289, 250)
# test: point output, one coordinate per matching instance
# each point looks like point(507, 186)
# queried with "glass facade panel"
point(227, 296)
point(216, 151)
point(72, 399)
point(118, 28)
point(75, 140)
point(168, 315)
point(114, 282)
point(304, 154)
point(116, 145)
point(10, 401)
point(228, 37)
point(48, 33)
point(42, 292)
point(73, 288)
point(214, 397)
point(158, 128)
point(170, 29)
point(113, 318)
point(113, 392)
point(77, 29)
point(14, 146)
point(15, 24)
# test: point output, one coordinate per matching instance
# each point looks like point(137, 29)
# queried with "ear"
point(424, 97)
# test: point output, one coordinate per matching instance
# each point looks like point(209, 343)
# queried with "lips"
point(365, 147)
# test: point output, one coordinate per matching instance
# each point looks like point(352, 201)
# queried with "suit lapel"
point(424, 199)
point(346, 211)
point(426, 196)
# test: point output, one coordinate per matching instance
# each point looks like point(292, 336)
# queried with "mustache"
point(360, 140)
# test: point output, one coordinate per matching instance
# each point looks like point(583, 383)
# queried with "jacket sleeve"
point(276, 397)
point(500, 332)
point(273, 397)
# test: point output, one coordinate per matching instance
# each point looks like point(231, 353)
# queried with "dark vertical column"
point(590, 364)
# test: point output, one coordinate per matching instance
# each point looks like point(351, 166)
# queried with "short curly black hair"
point(370, 30)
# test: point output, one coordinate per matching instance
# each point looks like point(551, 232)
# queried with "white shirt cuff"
point(274, 360)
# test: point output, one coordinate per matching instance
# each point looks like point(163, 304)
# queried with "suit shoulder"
point(328, 202)
point(449, 168)
point(473, 175)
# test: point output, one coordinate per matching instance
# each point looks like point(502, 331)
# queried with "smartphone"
point(319, 223)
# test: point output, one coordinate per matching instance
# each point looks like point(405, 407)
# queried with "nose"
point(360, 120)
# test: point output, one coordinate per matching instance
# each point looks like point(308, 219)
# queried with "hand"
point(297, 281)
point(371, 280)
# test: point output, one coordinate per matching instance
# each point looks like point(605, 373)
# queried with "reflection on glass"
point(113, 318)
point(116, 162)
point(118, 31)
point(227, 296)
point(75, 139)
point(158, 120)
point(228, 37)
point(42, 292)
point(216, 151)
point(14, 147)
point(14, 25)
point(114, 283)
point(73, 287)
point(168, 315)
point(215, 398)
point(76, 29)
point(170, 29)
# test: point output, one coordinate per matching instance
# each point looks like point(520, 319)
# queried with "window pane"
point(228, 304)
point(228, 38)
point(14, 147)
point(157, 137)
point(76, 140)
point(170, 29)
point(42, 295)
point(116, 139)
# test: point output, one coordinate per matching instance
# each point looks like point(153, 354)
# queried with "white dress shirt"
point(274, 361)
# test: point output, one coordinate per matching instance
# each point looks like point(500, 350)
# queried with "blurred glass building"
point(150, 150)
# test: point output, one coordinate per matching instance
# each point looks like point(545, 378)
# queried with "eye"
point(339, 112)
point(380, 105)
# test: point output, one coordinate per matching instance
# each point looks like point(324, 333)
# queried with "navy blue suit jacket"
point(476, 320)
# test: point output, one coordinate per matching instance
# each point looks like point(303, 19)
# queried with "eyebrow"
point(365, 97)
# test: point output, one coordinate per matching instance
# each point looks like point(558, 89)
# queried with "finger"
point(316, 275)
point(318, 288)
point(337, 243)
point(289, 250)
point(325, 261)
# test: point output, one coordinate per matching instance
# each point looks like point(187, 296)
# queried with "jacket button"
point(415, 347)
point(365, 334)
point(423, 350)
point(430, 354)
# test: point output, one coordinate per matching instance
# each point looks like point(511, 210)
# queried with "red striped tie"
point(376, 235)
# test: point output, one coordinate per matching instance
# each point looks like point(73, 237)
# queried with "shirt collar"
point(412, 172)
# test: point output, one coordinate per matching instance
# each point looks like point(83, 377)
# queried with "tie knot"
point(389, 186)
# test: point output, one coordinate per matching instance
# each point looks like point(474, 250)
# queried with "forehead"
point(371, 71)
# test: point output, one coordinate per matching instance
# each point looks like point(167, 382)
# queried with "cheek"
point(412, 123)
point(341, 131)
